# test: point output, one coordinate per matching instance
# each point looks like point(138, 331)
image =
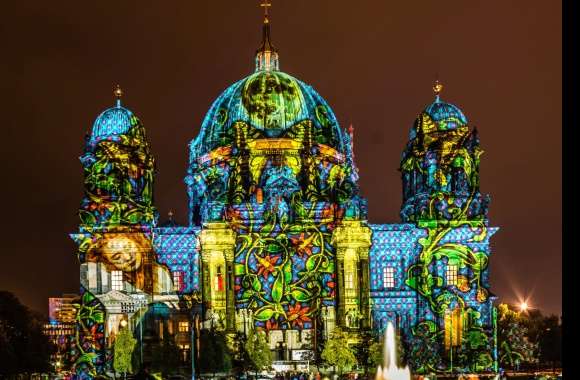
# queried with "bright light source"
point(524, 306)
point(123, 322)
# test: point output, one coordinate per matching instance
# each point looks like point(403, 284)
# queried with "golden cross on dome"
point(266, 5)
point(437, 87)
point(118, 92)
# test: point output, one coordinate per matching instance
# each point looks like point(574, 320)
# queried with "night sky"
point(373, 61)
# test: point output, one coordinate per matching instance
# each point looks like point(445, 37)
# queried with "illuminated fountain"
point(390, 371)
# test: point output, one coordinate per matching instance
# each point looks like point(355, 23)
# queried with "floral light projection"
point(440, 169)
point(88, 350)
point(277, 235)
point(285, 275)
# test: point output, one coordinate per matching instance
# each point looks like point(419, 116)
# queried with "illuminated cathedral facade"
point(277, 237)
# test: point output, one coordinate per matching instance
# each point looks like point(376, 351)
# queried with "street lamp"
point(123, 323)
point(524, 306)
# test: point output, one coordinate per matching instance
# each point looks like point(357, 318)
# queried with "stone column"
point(364, 287)
point(205, 281)
point(340, 292)
point(230, 296)
point(353, 234)
point(217, 239)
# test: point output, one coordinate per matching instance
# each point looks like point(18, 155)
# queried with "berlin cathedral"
point(277, 237)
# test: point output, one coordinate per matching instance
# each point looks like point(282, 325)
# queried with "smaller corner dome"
point(439, 116)
point(112, 122)
point(449, 114)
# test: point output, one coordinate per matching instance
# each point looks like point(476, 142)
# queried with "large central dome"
point(272, 102)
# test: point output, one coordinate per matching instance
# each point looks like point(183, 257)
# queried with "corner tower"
point(119, 171)
point(440, 167)
point(119, 273)
point(449, 266)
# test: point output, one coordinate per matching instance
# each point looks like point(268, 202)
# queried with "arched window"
point(453, 328)
point(219, 279)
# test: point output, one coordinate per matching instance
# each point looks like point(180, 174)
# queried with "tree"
point(337, 353)
point(474, 352)
point(362, 350)
point(215, 355)
point(124, 346)
point(23, 346)
point(545, 333)
point(550, 341)
point(166, 355)
point(240, 359)
point(376, 354)
point(425, 351)
point(258, 350)
point(514, 346)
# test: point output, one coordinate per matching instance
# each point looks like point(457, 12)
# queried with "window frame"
point(389, 277)
point(117, 280)
point(183, 326)
point(451, 274)
point(177, 281)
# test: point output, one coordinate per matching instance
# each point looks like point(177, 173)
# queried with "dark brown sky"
point(373, 61)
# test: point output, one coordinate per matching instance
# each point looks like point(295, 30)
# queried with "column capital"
point(217, 236)
point(352, 234)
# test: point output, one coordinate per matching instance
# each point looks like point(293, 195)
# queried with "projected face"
point(123, 251)
point(272, 101)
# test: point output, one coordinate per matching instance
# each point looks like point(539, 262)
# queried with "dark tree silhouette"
point(215, 355)
point(23, 346)
point(550, 340)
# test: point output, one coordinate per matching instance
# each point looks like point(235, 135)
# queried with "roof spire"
point(266, 5)
point(118, 94)
point(266, 55)
point(437, 88)
point(351, 134)
point(351, 138)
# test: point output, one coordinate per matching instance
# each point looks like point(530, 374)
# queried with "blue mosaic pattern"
point(178, 248)
point(111, 123)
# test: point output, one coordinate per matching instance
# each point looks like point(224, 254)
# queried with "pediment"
point(116, 296)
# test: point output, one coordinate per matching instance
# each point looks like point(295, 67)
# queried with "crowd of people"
point(294, 375)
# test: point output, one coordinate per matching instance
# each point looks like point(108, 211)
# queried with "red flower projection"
point(303, 244)
point(96, 335)
point(271, 325)
point(234, 218)
point(297, 315)
point(267, 265)
point(328, 212)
